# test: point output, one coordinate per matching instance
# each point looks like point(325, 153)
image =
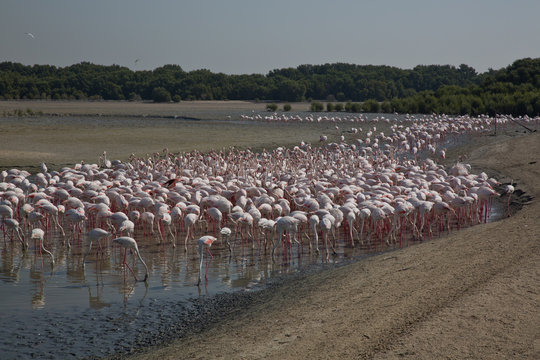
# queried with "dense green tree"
point(161, 94)
point(425, 88)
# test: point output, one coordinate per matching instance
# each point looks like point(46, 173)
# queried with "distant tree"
point(338, 107)
point(440, 89)
point(161, 94)
point(289, 90)
point(287, 107)
point(176, 98)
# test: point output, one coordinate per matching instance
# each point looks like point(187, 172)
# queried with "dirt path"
point(473, 294)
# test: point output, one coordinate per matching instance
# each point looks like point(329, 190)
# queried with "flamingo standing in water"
point(13, 225)
point(226, 234)
point(509, 189)
point(206, 242)
point(130, 243)
point(38, 234)
point(95, 235)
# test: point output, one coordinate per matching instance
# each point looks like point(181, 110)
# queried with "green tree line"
point(423, 89)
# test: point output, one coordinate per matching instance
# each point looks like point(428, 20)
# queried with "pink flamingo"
point(130, 243)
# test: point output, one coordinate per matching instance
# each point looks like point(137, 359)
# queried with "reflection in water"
point(11, 264)
point(173, 273)
point(38, 279)
point(96, 302)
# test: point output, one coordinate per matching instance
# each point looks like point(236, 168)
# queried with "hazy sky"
point(252, 36)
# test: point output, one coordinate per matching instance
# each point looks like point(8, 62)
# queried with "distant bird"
point(30, 34)
point(137, 60)
point(171, 183)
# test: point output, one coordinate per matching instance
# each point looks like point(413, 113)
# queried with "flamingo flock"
point(376, 190)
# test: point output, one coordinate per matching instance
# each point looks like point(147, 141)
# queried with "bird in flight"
point(30, 34)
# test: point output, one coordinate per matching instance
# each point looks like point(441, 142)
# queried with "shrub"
point(134, 97)
point(287, 107)
point(271, 107)
point(371, 106)
point(386, 107)
point(356, 107)
point(338, 107)
point(329, 107)
point(317, 106)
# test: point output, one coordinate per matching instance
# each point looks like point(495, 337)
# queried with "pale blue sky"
point(251, 36)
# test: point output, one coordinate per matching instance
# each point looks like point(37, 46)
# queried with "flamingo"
point(38, 234)
point(130, 243)
point(205, 241)
point(225, 233)
point(509, 189)
point(95, 235)
point(189, 223)
point(285, 224)
point(13, 225)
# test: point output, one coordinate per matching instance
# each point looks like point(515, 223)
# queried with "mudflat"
point(135, 108)
point(470, 295)
point(66, 132)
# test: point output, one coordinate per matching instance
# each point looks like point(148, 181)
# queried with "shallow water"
point(28, 282)
point(72, 312)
